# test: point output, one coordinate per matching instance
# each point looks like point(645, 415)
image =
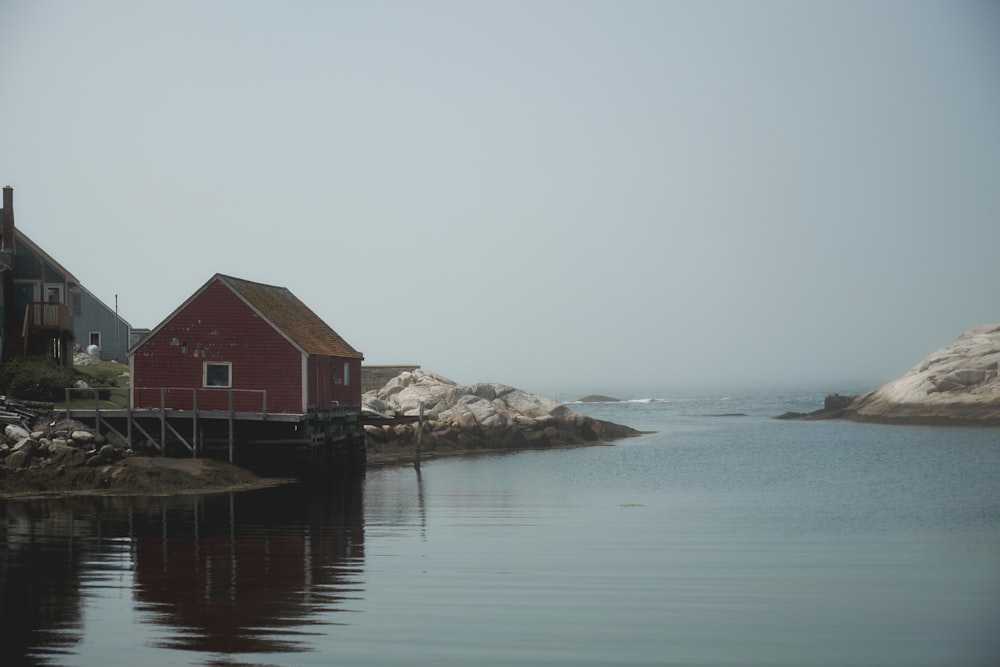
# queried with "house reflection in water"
point(43, 545)
point(245, 573)
point(223, 573)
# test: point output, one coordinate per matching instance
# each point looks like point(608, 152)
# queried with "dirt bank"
point(136, 476)
point(163, 476)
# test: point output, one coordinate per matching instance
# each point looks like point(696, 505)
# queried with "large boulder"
point(957, 385)
point(484, 416)
point(16, 432)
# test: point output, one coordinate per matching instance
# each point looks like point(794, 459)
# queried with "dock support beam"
point(230, 425)
point(420, 435)
point(163, 420)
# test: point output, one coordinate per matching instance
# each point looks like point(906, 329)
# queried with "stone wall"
point(375, 377)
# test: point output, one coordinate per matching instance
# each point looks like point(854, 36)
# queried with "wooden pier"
point(318, 441)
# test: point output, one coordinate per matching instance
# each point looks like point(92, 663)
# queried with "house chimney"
point(7, 228)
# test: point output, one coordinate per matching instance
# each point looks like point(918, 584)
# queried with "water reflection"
point(43, 546)
point(222, 574)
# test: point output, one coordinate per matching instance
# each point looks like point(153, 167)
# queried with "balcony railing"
point(45, 316)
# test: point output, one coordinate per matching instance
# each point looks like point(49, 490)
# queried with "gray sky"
point(612, 197)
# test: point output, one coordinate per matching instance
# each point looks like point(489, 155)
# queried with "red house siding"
point(348, 391)
point(217, 326)
point(327, 381)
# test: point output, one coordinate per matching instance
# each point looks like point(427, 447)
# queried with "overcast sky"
point(590, 197)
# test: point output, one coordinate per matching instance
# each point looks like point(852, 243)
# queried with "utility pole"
point(118, 327)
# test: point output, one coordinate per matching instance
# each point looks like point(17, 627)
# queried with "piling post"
point(163, 420)
point(230, 425)
point(194, 423)
point(420, 434)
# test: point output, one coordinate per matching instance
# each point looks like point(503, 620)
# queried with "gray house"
point(94, 323)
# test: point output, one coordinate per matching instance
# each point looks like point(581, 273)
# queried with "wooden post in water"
point(194, 423)
point(420, 433)
point(230, 425)
point(163, 420)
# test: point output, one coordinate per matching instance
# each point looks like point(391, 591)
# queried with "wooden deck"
point(329, 434)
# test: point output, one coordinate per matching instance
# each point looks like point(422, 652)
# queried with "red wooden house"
point(248, 365)
point(244, 346)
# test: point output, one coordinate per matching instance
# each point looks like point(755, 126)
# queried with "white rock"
point(959, 381)
point(16, 432)
point(486, 404)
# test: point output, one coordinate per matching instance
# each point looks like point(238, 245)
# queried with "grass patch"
point(43, 380)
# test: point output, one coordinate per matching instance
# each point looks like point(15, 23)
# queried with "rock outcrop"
point(957, 385)
point(476, 418)
point(45, 454)
point(57, 442)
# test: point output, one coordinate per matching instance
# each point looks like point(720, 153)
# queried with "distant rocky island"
point(956, 385)
point(598, 398)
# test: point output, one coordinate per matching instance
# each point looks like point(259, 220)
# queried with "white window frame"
point(229, 374)
point(90, 339)
point(58, 288)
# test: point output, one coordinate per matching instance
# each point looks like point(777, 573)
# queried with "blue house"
point(44, 310)
point(96, 324)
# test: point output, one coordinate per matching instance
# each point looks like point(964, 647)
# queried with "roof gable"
point(35, 249)
point(286, 313)
point(103, 305)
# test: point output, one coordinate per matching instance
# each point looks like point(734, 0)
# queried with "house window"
point(54, 293)
point(218, 374)
point(347, 373)
point(94, 338)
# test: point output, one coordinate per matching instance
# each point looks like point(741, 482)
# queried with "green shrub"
point(36, 379)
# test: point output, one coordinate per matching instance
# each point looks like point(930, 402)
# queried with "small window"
point(347, 373)
point(218, 374)
point(95, 338)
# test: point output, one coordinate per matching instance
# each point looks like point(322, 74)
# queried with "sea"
point(720, 537)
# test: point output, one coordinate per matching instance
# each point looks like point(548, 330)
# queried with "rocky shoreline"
point(58, 456)
point(42, 454)
point(469, 419)
point(958, 385)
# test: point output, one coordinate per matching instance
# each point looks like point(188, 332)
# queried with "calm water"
point(719, 540)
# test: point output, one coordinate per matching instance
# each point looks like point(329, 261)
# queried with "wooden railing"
point(201, 398)
point(47, 315)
